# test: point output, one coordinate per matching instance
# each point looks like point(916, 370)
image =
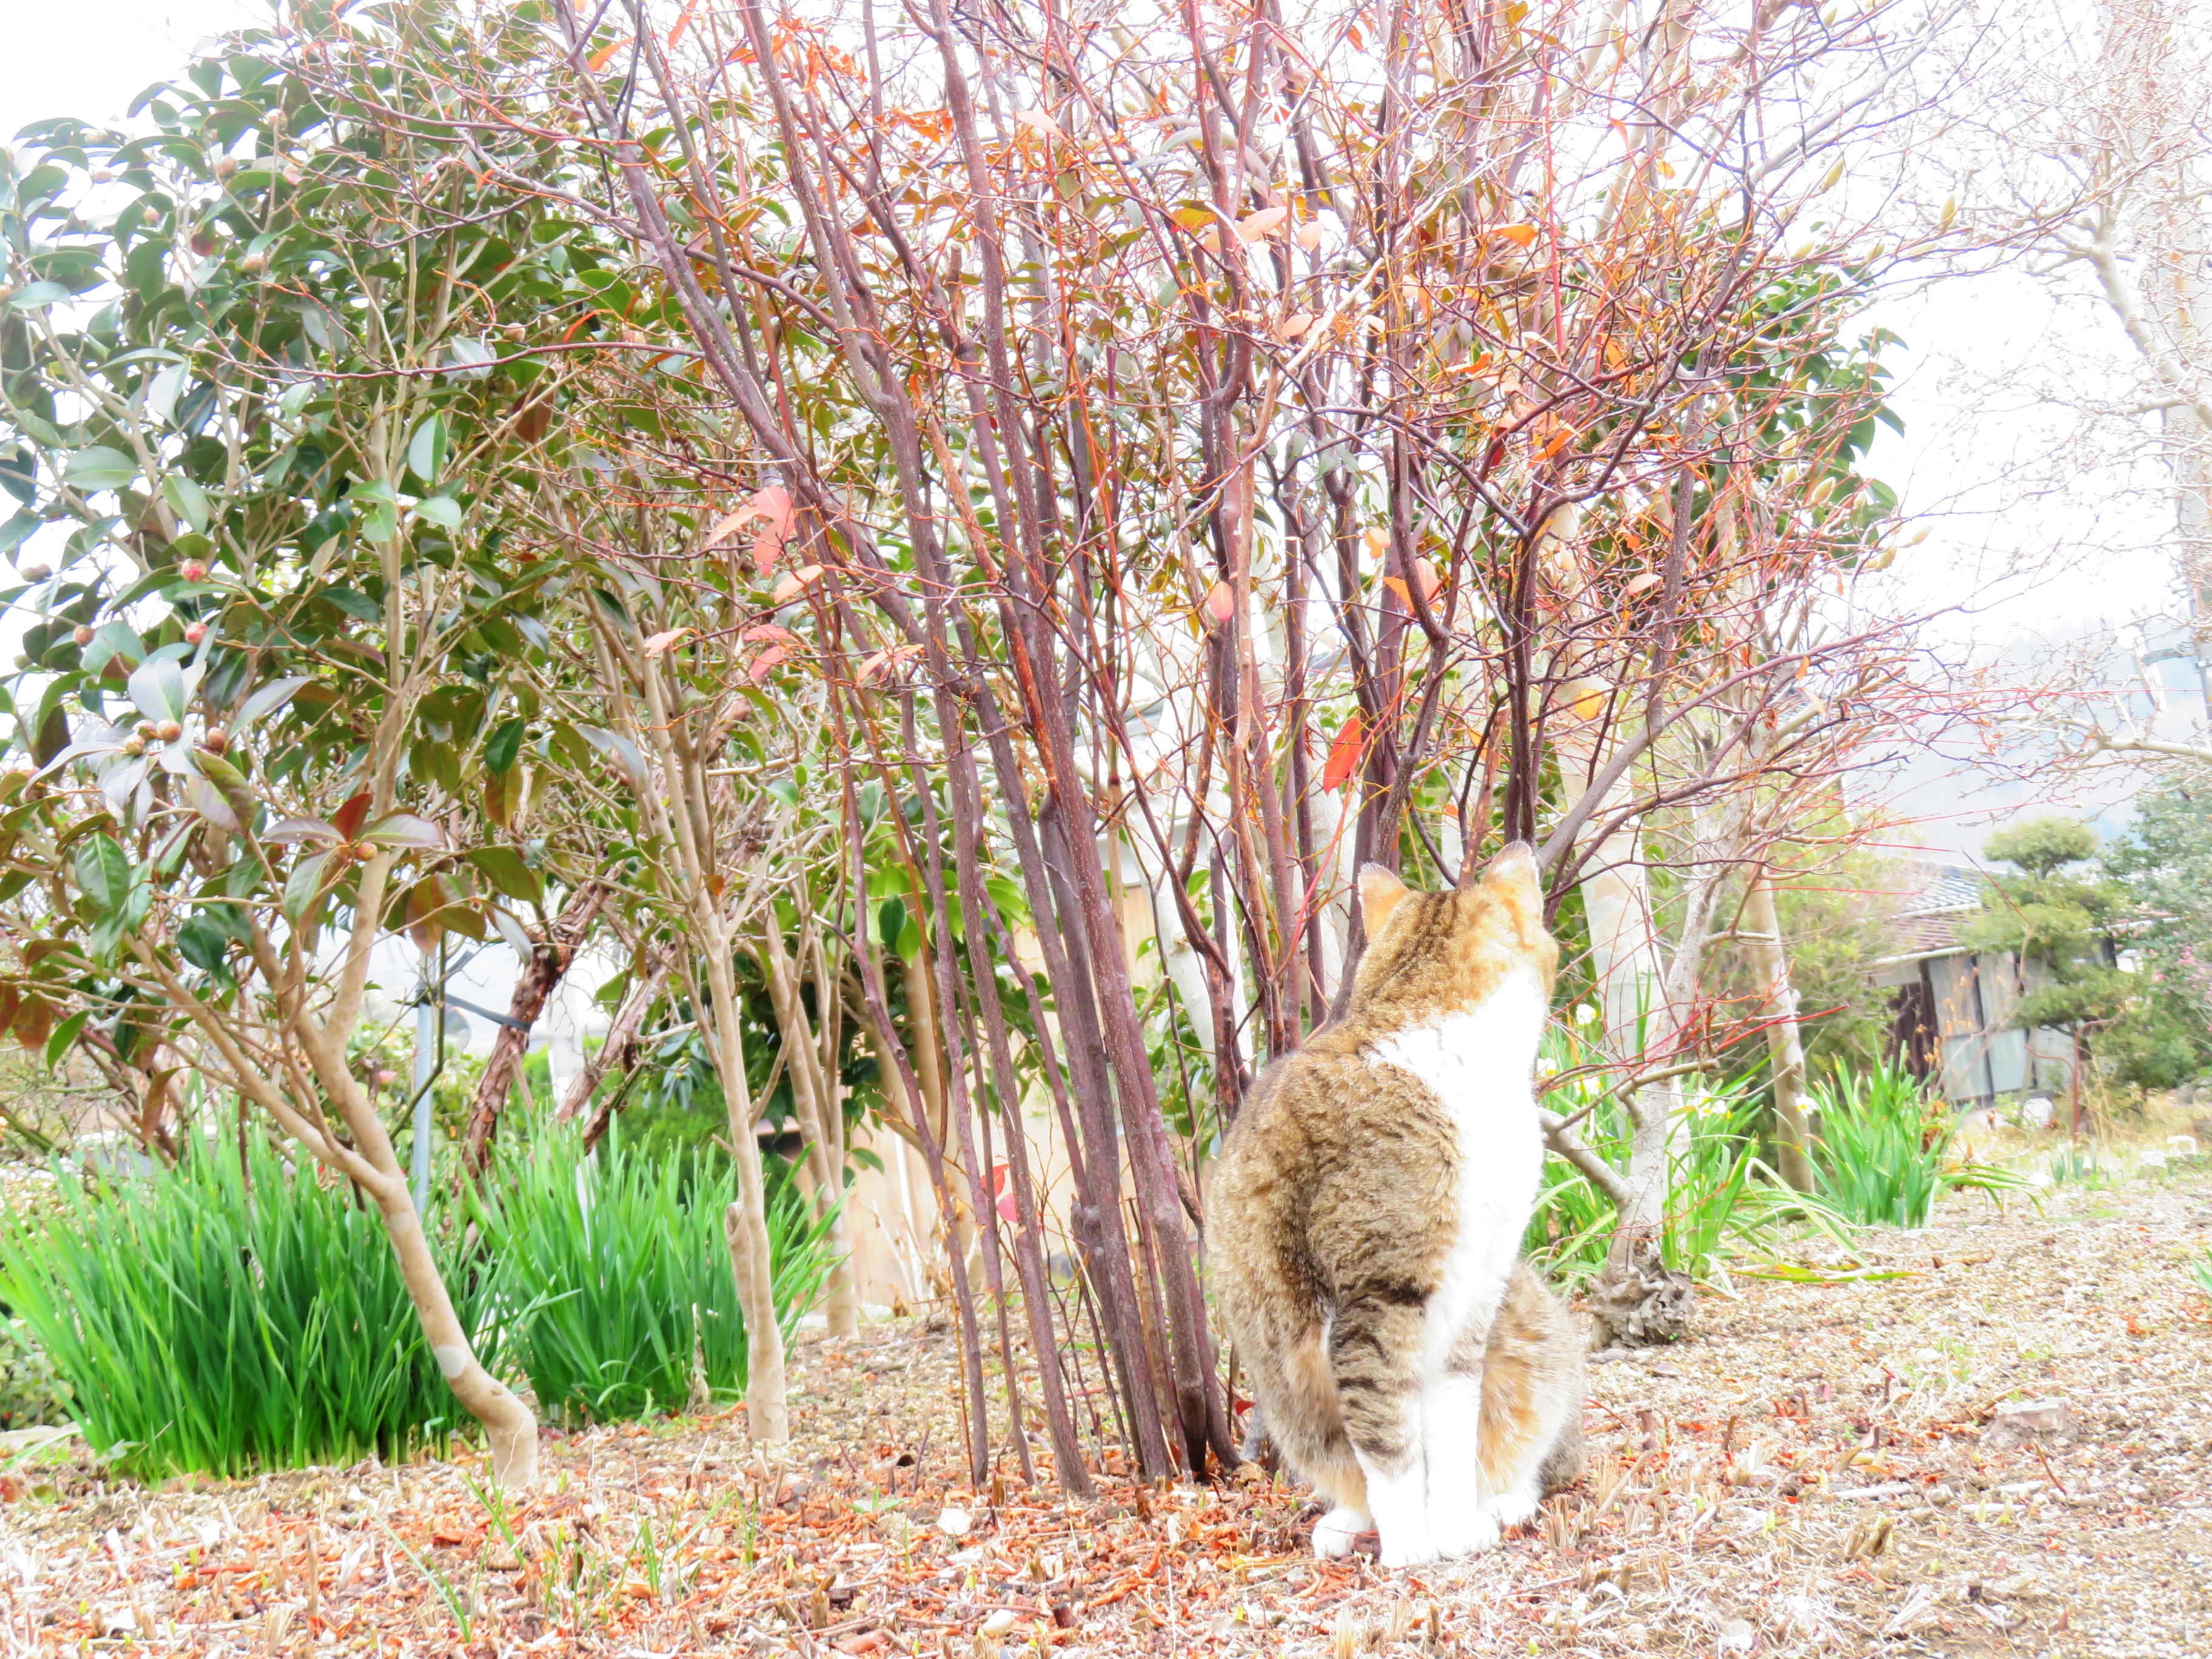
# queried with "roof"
point(1935, 908)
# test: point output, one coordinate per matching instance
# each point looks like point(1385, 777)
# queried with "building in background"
point(1953, 1007)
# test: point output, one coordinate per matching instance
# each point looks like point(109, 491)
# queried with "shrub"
point(1881, 1157)
point(616, 1274)
point(219, 1318)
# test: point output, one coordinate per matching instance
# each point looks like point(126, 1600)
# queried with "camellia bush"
point(273, 704)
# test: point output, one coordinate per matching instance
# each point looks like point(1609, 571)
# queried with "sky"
point(1957, 467)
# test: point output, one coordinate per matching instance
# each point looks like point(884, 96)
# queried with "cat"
point(1363, 1222)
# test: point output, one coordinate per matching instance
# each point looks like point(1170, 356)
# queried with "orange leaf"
point(882, 659)
point(1220, 604)
point(660, 643)
point(1397, 584)
point(766, 660)
point(1309, 237)
point(1648, 578)
point(1585, 698)
point(790, 586)
point(1343, 754)
point(599, 59)
point(681, 23)
point(1293, 325)
point(1038, 122)
point(774, 504)
point(1253, 226)
point(1425, 579)
point(1519, 235)
point(769, 632)
point(766, 546)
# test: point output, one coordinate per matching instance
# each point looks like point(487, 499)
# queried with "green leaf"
point(511, 930)
point(231, 782)
point(17, 530)
point(440, 510)
point(103, 874)
point(158, 689)
point(204, 944)
point(36, 296)
point(504, 743)
point(208, 801)
point(403, 829)
point(267, 700)
point(503, 867)
point(100, 468)
point(189, 501)
point(426, 450)
point(111, 641)
point(299, 887)
point(65, 1034)
point(353, 603)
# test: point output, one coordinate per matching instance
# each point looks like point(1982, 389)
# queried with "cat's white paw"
point(1333, 1533)
point(1511, 1509)
point(1463, 1530)
point(1405, 1546)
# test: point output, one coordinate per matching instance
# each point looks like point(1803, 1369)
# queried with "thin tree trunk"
point(540, 975)
point(746, 1222)
point(1785, 1046)
point(509, 1425)
point(820, 1111)
point(1636, 1299)
point(620, 1048)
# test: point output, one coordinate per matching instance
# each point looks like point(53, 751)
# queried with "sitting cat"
point(1363, 1221)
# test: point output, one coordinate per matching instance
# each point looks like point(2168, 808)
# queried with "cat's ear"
point(1379, 893)
point(1514, 866)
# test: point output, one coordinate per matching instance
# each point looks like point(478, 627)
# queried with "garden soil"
point(1992, 1438)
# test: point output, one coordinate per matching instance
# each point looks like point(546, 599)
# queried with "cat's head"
point(1433, 954)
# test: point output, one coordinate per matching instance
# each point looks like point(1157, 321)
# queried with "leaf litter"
point(1814, 1473)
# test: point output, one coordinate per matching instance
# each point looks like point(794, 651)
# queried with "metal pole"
point(425, 1064)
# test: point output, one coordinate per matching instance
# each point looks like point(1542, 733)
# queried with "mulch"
point(1815, 1471)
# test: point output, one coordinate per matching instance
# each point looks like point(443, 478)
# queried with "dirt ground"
point(1825, 1468)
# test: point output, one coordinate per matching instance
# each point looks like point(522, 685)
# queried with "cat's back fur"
point(1365, 1212)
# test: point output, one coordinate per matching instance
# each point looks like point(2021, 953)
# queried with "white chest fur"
point(1478, 1063)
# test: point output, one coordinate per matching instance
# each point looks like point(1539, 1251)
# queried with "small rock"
point(2018, 1421)
point(1736, 1636)
point(1941, 1493)
point(998, 1624)
point(955, 1522)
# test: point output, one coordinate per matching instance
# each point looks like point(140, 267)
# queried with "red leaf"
point(1220, 604)
point(1343, 754)
point(349, 817)
point(766, 660)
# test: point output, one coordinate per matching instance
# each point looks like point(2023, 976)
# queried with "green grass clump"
point(1722, 1201)
point(616, 1273)
point(218, 1318)
point(1881, 1157)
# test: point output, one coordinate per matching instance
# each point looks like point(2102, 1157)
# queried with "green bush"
point(1880, 1156)
point(616, 1273)
point(215, 1318)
